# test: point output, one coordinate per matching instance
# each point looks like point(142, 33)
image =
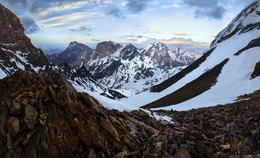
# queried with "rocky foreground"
point(42, 115)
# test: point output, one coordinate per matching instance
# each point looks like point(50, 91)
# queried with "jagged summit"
point(129, 52)
point(106, 48)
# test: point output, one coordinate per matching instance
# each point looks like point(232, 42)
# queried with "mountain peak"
point(247, 20)
point(106, 48)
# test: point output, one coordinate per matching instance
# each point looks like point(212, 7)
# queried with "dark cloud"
point(29, 25)
point(137, 6)
point(207, 8)
point(117, 13)
point(35, 7)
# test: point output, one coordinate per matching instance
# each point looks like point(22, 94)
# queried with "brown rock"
point(225, 147)
point(158, 147)
point(31, 95)
point(13, 126)
point(182, 153)
point(30, 116)
point(8, 137)
point(146, 154)
point(108, 126)
point(166, 155)
point(92, 153)
point(236, 147)
point(154, 122)
point(16, 108)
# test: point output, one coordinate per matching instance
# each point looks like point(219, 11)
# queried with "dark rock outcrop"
point(256, 70)
point(15, 45)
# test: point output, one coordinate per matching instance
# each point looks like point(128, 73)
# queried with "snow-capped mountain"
point(71, 53)
point(224, 73)
point(127, 67)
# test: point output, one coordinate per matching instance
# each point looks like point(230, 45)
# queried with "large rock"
point(256, 70)
point(30, 116)
point(13, 126)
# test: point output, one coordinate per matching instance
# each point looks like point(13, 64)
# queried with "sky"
point(56, 23)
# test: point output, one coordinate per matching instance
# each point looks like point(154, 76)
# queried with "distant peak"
point(73, 43)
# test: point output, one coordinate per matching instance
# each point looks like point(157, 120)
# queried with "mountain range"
point(59, 109)
point(125, 66)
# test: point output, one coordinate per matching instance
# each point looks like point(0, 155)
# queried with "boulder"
point(13, 126)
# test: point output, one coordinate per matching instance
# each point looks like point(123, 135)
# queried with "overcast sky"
point(55, 23)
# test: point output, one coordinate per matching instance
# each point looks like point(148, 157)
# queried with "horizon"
point(56, 23)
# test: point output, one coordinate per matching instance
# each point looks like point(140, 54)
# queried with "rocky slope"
point(16, 50)
point(42, 115)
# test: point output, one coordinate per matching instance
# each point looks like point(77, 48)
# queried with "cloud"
point(133, 36)
point(72, 1)
point(133, 40)
point(81, 28)
point(63, 8)
point(179, 34)
point(67, 19)
point(29, 25)
point(157, 31)
point(108, 2)
point(207, 8)
point(117, 13)
point(94, 40)
point(137, 6)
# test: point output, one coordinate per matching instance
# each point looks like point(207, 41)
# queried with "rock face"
point(16, 50)
point(57, 121)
